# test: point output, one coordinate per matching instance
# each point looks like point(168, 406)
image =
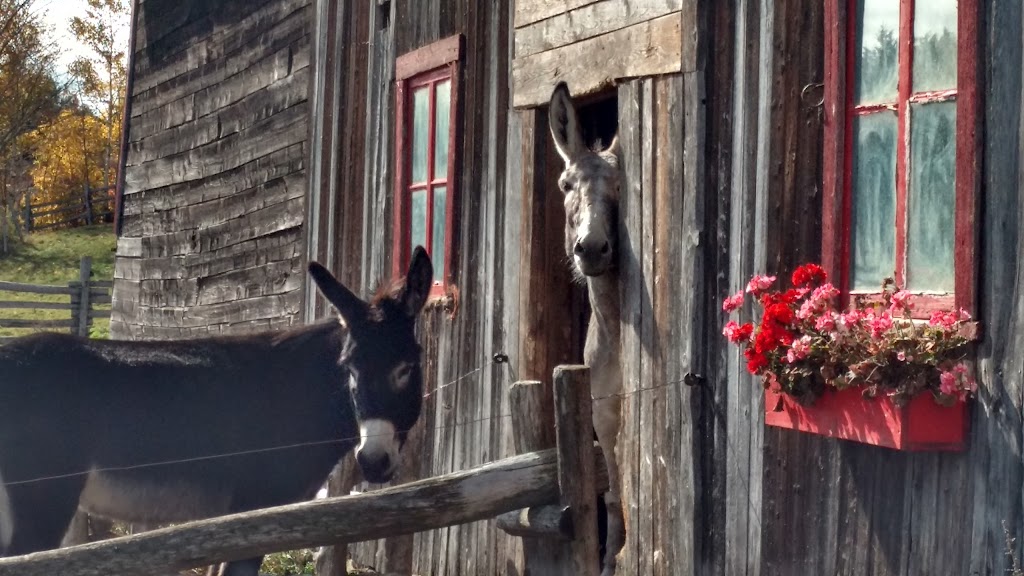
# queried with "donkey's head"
point(382, 358)
point(590, 182)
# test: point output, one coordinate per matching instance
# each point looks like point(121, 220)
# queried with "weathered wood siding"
point(723, 178)
point(709, 489)
point(466, 421)
point(215, 177)
point(592, 43)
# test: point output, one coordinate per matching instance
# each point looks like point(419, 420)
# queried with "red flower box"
point(922, 424)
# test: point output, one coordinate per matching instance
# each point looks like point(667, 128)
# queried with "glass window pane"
point(878, 29)
point(444, 92)
point(418, 225)
point(873, 226)
point(437, 250)
point(931, 200)
point(935, 46)
point(420, 132)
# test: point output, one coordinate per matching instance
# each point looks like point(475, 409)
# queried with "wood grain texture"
point(215, 178)
point(529, 401)
point(528, 11)
point(631, 134)
point(644, 49)
point(587, 22)
point(574, 427)
point(483, 492)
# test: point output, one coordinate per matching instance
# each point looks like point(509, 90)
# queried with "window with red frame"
point(900, 173)
point(427, 81)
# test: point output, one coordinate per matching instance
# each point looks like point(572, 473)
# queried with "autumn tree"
point(68, 155)
point(101, 76)
point(30, 95)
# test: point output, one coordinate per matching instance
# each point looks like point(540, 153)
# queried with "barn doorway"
point(554, 310)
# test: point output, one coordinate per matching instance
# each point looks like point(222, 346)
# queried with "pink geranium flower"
point(947, 383)
point(759, 284)
point(901, 301)
point(733, 302)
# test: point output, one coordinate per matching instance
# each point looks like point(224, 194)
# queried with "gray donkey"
point(590, 182)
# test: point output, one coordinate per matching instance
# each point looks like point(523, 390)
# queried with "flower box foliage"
point(805, 347)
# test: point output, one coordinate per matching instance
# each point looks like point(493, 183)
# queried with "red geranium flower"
point(808, 274)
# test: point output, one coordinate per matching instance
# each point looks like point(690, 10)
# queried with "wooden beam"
point(552, 521)
point(457, 498)
point(646, 49)
point(587, 22)
point(574, 423)
point(533, 428)
point(530, 11)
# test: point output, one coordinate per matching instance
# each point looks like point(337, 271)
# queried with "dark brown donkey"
point(163, 432)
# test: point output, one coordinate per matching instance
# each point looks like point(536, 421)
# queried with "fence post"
point(28, 211)
point(574, 433)
point(84, 274)
point(88, 205)
point(543, 555)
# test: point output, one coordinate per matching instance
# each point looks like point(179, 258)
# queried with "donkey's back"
point(165, 431)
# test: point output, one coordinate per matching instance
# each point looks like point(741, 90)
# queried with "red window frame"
point(840, 61)
point(426, 66)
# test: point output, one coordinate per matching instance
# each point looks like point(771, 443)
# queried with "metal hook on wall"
point(808, 88)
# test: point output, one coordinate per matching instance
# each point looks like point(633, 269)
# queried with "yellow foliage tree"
point(69, 156)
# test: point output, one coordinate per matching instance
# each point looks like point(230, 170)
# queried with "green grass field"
point(53, 258)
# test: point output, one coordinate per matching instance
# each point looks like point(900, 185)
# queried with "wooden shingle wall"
point(215, 177)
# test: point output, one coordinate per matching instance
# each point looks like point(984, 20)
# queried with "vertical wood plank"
point(997, 418)
point(630, 275)
point(744, 419)
point(574, 430)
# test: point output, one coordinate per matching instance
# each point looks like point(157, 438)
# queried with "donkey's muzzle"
point(593, 257)
point(377, 467)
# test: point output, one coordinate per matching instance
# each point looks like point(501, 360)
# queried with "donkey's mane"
point(387, 290)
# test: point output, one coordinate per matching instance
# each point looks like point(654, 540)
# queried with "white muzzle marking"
point(378, 437)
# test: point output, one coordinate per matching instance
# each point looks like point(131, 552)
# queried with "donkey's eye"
point(402, 374)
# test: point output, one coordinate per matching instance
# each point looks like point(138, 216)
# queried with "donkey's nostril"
point(605, 248)
point(578, 248)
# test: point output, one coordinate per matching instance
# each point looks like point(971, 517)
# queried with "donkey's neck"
point(603, 292)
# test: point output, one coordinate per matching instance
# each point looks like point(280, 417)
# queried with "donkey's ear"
point(352, 309)
point(418, 281)
point(565, 126)
point(615, 148)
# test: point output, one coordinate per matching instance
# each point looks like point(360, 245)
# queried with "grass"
point(53, 258)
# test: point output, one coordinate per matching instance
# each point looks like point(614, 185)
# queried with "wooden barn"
point(266, 134)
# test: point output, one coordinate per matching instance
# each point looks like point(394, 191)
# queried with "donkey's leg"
point(248, 567)
point(606, 424)
point(39, 513)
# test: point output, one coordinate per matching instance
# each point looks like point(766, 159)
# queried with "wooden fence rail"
point(83, 294)
point(524, 481)
point(93, 205)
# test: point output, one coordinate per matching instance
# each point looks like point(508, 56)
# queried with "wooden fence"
point(84, 295)
point(561, 483)
point(92, 205)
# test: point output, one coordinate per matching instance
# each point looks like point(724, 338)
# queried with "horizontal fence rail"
point(83, 295)
point(91, 206)
point(559, 483)
point(458, 498)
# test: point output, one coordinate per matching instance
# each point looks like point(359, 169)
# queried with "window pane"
point(418, 235)
point(878, 28)
point(932, 199)
point(873, 227)
point(444, 92)
point(420, 131)
point(437, 250)
point(935, 46)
